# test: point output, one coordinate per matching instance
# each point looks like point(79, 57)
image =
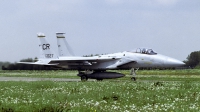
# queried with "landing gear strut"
point(83, 75)
point(133, 73)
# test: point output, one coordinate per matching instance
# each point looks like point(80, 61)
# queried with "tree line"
point(193, 60)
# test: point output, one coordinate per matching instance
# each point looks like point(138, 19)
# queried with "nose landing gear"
point(133, 73)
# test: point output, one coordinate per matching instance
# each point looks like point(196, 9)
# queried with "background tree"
point(3, 65)
point(193, 60)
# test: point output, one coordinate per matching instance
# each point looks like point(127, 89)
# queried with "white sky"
point(170, 27)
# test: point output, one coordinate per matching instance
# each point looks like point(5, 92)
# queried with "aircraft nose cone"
point(173, 62)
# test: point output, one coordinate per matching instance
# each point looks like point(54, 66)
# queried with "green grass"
point(40, 74)
point(103, 96)
point(176, 90)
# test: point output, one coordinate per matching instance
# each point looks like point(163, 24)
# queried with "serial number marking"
point(49, 55)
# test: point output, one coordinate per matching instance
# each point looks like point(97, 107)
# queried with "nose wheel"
point(133, 78)
point(133, 73)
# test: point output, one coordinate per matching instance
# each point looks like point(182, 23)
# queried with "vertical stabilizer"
point(45, 48)
point(63, 47)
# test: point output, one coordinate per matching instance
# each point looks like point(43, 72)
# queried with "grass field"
point(155, 90)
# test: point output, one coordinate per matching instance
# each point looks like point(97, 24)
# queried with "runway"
point(29, 79)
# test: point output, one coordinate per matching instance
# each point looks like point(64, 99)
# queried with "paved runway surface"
point(36, 79)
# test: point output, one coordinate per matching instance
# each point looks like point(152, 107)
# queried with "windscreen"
point(145, 51)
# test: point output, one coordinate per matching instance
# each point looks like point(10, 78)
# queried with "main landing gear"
point(99, 75)
point(84, 75)
point(92, 75)
point(84, 78)
point(133, 73)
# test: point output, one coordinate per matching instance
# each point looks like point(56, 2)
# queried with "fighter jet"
point(95, 67)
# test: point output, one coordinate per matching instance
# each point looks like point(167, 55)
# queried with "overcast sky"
point(170, 27)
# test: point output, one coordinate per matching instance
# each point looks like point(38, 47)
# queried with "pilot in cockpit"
point(145, 51)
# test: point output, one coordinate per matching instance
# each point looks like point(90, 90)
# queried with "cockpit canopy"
point(145, 51)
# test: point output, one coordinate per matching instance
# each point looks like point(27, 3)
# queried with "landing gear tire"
point(99, 79)
point(133, 79)
point(84, 78)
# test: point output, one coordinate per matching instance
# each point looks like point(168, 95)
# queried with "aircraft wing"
point(36, 63)
point(82, 60)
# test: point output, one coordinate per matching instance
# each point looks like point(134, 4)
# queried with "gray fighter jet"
point(95, 67)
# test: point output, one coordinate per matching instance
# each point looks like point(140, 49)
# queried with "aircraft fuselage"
point(122, 60)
